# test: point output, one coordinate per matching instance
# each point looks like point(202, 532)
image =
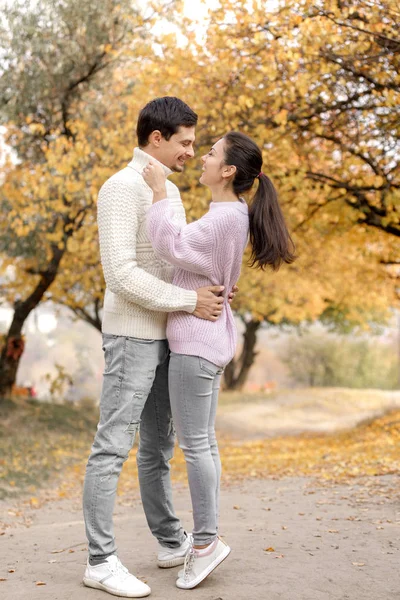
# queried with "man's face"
point(173, 153)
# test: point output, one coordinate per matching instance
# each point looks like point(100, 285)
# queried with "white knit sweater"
point(139, 293)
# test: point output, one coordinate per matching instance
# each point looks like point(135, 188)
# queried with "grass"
point(40, 440)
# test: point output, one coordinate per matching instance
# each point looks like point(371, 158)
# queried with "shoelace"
point(189, 560)
point(119, 570)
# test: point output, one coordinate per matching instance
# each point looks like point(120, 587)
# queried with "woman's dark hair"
point(269, 237)
point(166, 114)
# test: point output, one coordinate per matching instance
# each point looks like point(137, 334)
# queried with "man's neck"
point(152, 154)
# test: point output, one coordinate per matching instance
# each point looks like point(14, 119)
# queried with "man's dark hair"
point(166, 115)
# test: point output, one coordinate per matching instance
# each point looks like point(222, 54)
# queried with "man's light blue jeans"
point(135, 393)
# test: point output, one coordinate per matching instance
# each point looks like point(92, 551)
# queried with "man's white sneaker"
point(199, 564)
point(173, 557)
point(111, 576)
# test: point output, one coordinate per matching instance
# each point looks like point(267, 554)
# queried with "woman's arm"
point(187, 246)
point(155, 178)
point(117, 211)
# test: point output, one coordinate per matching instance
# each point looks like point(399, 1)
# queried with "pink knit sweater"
point(206, 252)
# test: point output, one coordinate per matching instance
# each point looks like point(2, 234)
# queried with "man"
point(138, 297)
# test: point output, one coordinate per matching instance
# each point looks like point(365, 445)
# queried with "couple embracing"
point(168, 332)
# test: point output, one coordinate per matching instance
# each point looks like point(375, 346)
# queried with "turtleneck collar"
point(238, 204)
point(141, 159)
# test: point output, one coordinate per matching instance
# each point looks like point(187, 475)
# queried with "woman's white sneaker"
point(173, 557)
point(111, 576)
point(199, 564)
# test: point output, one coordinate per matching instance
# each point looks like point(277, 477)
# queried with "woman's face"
point(213, 165)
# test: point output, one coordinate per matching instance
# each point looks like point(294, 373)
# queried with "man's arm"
point(118, 224)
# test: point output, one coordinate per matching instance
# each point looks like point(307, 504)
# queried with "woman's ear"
point(228, 171)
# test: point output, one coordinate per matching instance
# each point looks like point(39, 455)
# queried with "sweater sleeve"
point(117, 213)
point(186, 246)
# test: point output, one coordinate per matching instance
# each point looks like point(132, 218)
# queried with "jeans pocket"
point(140, 340)
point(108, 348)
point(209, 367)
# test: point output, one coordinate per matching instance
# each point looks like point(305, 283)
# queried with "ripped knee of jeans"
point(133, 427)
point(171, 428)
point(130, 435)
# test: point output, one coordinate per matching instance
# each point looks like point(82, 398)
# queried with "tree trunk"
point(91, 314)
point(237, 371)
point(14, 343)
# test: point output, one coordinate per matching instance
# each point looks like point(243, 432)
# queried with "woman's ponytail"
point(269, 237)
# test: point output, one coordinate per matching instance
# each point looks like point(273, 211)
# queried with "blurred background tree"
point(323, 360)
point(57, 62)
point(316, 84)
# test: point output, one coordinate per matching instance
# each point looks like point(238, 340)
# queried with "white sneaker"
point(111, 576)
point(173, 557)
point(198, 565)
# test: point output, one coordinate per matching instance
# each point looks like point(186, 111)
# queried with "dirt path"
point(290, 412)
point(326, 543)
point(291, 539)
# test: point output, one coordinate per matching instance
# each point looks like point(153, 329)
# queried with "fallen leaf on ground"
point(358, 564)
point(269, 549)
point(40, 583)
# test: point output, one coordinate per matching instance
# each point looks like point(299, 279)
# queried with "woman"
point(209, 252)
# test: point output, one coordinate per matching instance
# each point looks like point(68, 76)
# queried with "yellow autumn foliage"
point(289, 76)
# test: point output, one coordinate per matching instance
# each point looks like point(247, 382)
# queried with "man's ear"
point(228, 171)
point(155, 138)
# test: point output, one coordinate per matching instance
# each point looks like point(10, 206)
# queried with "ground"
point(309, 516)
point(290, 539)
